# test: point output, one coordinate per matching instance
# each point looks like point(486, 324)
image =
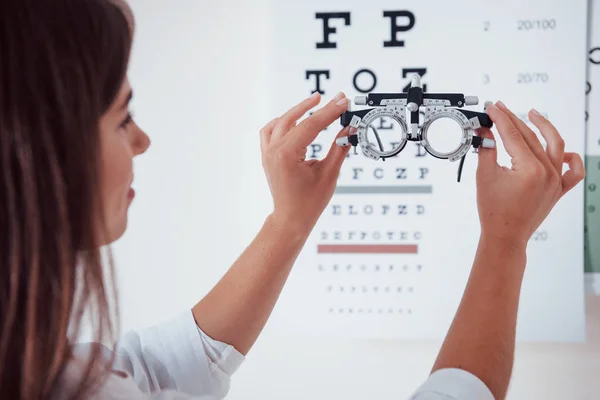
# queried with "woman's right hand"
point(513, 202)
point(302, 188)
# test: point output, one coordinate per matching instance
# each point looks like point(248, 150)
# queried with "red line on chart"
point(368, 249)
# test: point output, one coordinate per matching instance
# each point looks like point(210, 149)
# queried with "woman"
point(66, 147)
point(67, 142)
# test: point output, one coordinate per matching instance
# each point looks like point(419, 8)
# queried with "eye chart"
point(592, 187)
point(391, 254)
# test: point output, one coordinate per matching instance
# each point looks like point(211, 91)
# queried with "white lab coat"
point(177, 361)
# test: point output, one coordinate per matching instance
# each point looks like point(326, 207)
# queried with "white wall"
point(197, 84)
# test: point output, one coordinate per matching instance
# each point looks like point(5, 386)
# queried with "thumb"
point(337, 154)
point(488, 158)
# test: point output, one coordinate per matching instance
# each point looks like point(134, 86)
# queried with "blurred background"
point(208, 75)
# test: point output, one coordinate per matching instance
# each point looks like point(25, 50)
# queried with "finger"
point(530, 137)
point(337, 154)
point(488, 158)
point(288, 120)
point(556, 144)
point(265, 134)
point(307, 130)
point(513, 140)
point(576, 171)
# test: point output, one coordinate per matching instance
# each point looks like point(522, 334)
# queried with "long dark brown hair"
point(62, 63)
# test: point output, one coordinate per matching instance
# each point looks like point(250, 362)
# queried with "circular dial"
point(370, 136)
point(453, 141)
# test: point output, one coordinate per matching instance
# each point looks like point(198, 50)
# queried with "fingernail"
point(501, 105)
point(338, 96)
point(344, 100)
point(536, 112)
point(315, 94)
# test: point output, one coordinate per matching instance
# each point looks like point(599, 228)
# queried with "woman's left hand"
point(302, 189)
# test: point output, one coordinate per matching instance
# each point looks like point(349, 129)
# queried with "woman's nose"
point(140, 141)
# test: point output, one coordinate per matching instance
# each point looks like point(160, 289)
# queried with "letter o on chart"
point(595, 55)
point(365, 71)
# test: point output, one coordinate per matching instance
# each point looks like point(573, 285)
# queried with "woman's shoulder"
point(119, 385)
point(174, 360)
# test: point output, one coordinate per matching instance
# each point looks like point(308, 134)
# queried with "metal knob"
point(416, 81)
point(360, 100)
point(471, 100)
point(488, 143)
point(343, 141)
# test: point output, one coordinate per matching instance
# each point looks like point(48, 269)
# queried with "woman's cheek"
point(117, 175)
